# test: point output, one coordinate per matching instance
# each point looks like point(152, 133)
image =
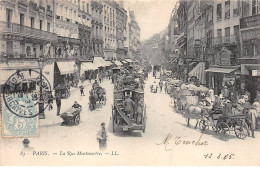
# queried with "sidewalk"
point(51, 118)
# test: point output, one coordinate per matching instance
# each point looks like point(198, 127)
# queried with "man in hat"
point(76, 105)
point(26, 145)
point(161, 85)
point(58, 103)
point(129, 106)
point(81, 90)
point(225, 92)
point(95, 84)
point(102, 137)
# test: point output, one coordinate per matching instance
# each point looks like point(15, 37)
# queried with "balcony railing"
point(23, 2)
point(41, 9)
point(33, 6)
point(26, 31)
point(225, 40)
point(227, 14)
point(236, 12)
point(49, 13)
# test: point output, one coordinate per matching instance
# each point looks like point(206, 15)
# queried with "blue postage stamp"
point(16, 126)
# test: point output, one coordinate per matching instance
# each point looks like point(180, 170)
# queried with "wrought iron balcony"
point(49, 13)
point(23, 3)
point(17, 29)
point(33, 6)
point(41, 9)
point(225, 40)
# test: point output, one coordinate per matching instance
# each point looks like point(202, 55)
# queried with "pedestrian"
point(129, 106)
point(248, 119)
point(58, 103)
point(102, 137)
point(81, 90)
point(165, 87)
point(161, 85)
point(258, 96)
point(50, 100)
point(225, 92)
point(26, 145)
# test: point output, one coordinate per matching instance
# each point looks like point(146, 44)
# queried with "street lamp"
point(41, 103)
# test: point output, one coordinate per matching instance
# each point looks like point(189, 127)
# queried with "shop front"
point(220, 77)
point(65, 76)
point(88, 71)
point(250, 79)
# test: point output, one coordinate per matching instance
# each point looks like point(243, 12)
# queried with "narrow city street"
point(162, 120)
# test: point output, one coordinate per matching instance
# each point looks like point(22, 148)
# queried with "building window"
point(21, 19)
point(219, 11)
point(32, 22)
point(245, 8)
point(40, 24)
point(227, 32)
point(9, 47)
point(254, 10)
point(219, 33)
point(236, 8)
point(88, 8)
point(48, 27)
point(236, 32)
point(227, 9)
point(8, 17)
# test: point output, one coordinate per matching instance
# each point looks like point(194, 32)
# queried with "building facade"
point(250, 49)
point(121, 31)
point(134, 37)
point(109, 31)
point(97, 28)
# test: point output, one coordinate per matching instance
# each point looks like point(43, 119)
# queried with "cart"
point(223, 125)
point(71, 116)
point(120, 121)
point(97, 97)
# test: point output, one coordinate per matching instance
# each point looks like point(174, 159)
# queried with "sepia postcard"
point(130, 83)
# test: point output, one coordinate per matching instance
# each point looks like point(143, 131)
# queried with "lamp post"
point(41, 103)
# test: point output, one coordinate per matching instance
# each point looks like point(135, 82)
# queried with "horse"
point(93, 97)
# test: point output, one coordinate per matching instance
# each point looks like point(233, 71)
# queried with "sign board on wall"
point(255, 72)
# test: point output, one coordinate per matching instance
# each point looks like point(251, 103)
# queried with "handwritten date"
point(219, 156)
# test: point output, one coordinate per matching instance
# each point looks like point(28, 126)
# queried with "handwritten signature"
point(168, 142)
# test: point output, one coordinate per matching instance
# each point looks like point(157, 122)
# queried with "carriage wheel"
point(223, 131)
point(203, 126)
point(77, 119)
point(241, 129)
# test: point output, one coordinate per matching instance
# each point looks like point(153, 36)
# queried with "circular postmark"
point(21, 92)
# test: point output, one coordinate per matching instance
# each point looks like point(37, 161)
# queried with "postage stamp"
point(20, 103)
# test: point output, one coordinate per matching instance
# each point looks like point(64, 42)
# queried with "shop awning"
point(129, 60)
point(67, 67)
point(109, 63)
point(219, 70)
point(85, 66)
point(118, 63)
point(99, 62)
point(124, 62)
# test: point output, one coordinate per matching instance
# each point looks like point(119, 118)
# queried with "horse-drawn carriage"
point(72, 115)
point(97, 97)
point(135, 119)
point(129, 110)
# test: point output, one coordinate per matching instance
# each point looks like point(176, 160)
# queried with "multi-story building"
point(134, 37)
point(97, 27)
point(121, 32)
point(85, 28)
point(109, 29)
point(66, 26)
point(26, 33)
point(226, 45)
point(250, 49)
point(26, 29)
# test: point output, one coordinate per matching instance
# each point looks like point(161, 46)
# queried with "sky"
point(152, 15)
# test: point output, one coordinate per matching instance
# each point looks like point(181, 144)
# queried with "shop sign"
point(255, 72)
point(250, 34)
point(250, 21)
